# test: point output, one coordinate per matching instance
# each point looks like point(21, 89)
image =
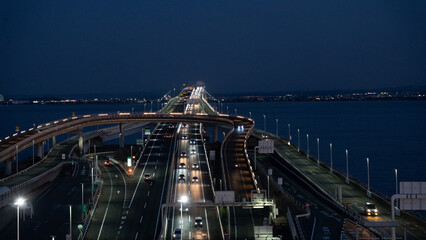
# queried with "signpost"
point(265, 146)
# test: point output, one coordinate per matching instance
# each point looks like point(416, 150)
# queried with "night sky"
point(81, 47)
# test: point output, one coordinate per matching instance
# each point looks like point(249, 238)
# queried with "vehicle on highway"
point(171, 126)
point(370, 209)
point(184, 137)
point(183, 154)
point(182, 165)
point(192, 141)
point(168, 136)
point(184, 125)
point(147, 177)
point(177, 234)
point(198, 222)
point(182, 177)
point(195, 166)
point(194, 179)
point(107, 162)
point(193, 152)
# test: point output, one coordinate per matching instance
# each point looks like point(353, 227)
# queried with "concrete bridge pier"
point(214, 133)
point(121, 136)
point(40, 150)
point(8, 166)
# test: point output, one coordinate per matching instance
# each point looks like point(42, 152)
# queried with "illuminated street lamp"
point(183, 199)
point(19, 202)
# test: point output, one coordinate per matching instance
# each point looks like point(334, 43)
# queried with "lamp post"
point(289, 135)
point(331, 158)
point(276, 130)
point(17, 169)
point(227, 110)
point(307, 144)
point(264, 122)
point(33, 151)
point(71, 221)
point(174, 91)
point(250, 114)
point(151, 106)
point(19, 202)
point(347, 167)
point(318, 159)
point(235, 111)
point(82, 202)
point(183, 199)
point(144, 105)
point(298, 140)
point(133, 109)
point(368, 178)
point(396, 181)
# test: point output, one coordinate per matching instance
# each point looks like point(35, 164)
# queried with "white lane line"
point(109, 200)
point(140, 221)
point(137, 233)
point(140, 177)
point(144, 205)
point(148, 193)
point(125, 185)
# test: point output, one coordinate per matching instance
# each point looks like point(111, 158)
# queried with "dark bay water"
point(390, 133)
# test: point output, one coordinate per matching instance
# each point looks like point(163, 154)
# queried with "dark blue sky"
point(74, 47)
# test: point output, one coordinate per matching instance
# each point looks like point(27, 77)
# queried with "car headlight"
point(368, 210)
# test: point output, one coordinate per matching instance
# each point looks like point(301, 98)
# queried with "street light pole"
point(347, 167)
point(298, 140)
point(33, 151)
point(70, 221)
point(307, 144)
point(19, 202)
point(318, 152)
point(250, 114)
point(276, 131)
point(264, 122)
point(396, 181)
point(235, 111)
point(289, 135)
point(331, 158)
point(368, 178)
point(17, 156)
point(82, 202)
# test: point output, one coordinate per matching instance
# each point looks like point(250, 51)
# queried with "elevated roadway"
point(323, 183)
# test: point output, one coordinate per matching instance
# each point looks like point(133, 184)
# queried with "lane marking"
point(144, 205)
point(140, 221)
point(109, 200)
point(148, 193)
point(137, 233)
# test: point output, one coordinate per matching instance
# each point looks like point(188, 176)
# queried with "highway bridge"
point(182, 183)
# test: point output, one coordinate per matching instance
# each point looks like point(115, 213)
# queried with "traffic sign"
point(147, 131)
